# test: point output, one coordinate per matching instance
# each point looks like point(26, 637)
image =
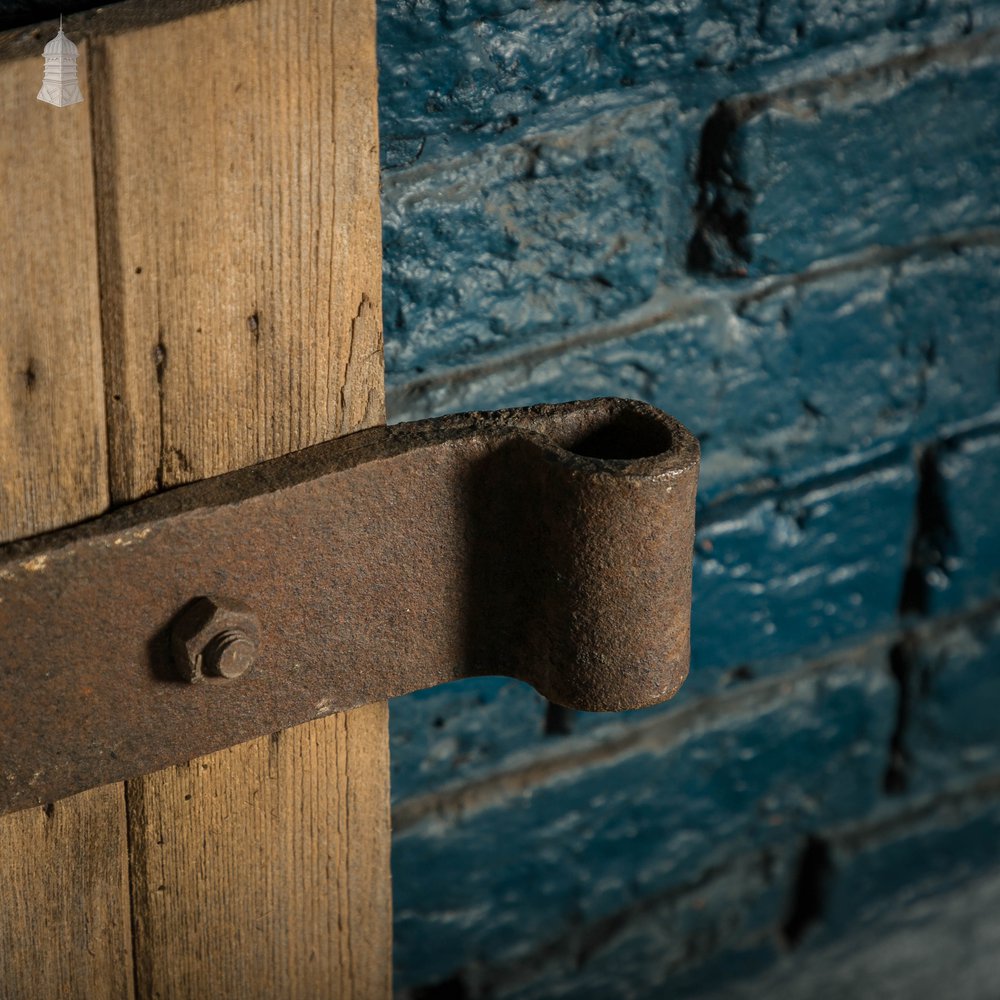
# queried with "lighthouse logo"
point(59, 85)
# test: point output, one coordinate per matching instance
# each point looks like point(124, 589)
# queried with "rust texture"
point(552, 544)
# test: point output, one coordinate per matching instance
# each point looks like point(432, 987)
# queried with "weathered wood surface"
point(53, 457)
point(261, 871)
point(240, 276)
point(238, 243)
point(64, 910)
point(64, 904)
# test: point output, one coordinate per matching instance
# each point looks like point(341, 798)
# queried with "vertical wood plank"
point(64, 909)
point(238, 220)
point(54, 466)
point(64, 905)
point(262, 870)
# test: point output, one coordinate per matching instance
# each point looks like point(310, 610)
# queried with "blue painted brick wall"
point(727, 936)
point(778, 222)
point(650, 812)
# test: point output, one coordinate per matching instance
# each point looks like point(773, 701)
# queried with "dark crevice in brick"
point(720, 244)
point(930, 549)
point(533, 153)
point(896, 778)
point(809, 895)
point(933, 538)
point(741, 673)
point(558, 720)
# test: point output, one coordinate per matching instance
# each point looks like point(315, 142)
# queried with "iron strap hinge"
point(552, 544)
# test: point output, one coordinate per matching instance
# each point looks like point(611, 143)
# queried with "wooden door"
point(190, 271)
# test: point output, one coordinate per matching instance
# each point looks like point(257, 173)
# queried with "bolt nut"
point(215, 637)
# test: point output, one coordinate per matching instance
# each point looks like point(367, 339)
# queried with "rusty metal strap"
point(552, 544)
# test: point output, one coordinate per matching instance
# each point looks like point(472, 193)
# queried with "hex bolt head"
point(214, 637)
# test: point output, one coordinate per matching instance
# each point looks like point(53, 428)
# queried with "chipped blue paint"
point(954, 698)
point(806, 274)
point(591, 840)
point(970, 472)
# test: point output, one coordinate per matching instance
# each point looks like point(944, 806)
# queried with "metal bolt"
point(215, 637)
point(229, 654)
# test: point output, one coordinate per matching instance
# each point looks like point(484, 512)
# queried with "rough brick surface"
point(792, 382)
point(800, 572)
point(533, 241)
point(898, 917)
point(458, 71)
point(562, 229)
point(792, 179)
point(651, 952)
point(778, 222)
point(619, 847)
point(590, 841)
point(462, 730)
point(953, 696)
point(969, 567)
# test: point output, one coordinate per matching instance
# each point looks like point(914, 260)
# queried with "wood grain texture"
point(238, 215)
point(237, 178)
point(64, 909)
point(53, 461)
point(64, 904)
point(261, 871)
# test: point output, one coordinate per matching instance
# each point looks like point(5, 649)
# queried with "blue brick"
point(908, 911)
point(949, 308)
point(786, 385)
point(534, 240)
point(801, 572)
point(538, 193)
point(456, 731)
point(953, 728)
point(721, 937)
point(757, 769)
point(453, 73)
point(949, 841)
point(969, 468)
point(545, 235)
point(832, 174)
point(645, 951)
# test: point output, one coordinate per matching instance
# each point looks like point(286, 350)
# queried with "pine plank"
point(64, 908)
point(64, 904)
point(260, 871)
point(52, 440)
point(237, 182)
point(238, 221)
